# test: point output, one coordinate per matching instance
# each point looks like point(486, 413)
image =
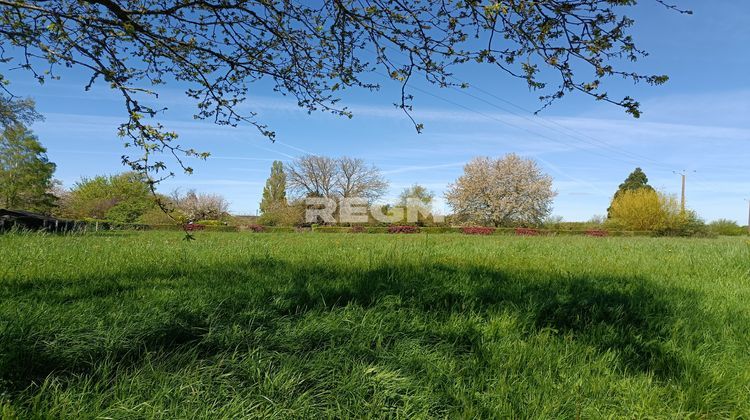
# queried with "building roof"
point(24, 214)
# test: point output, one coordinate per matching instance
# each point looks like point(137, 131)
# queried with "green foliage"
point(424, 197)
point(727, 228)
point(6, 409)
point(210, 223)
point(279, 229)
point(14, 112)
point(418, 192)
point(157, 216)
point(557, 224)
point(561, 226)
point(122, 198)
point(332, 229)
point(241, 325)
point(635, 181)
point(686, 223)
point(25, 171)
point(283, 214)
point(643, 209)
point(127, 211)
point(274, 193)
point(275, 211)
point(639, 209)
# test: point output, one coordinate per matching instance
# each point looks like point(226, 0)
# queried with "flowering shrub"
point(357, 229)
point(599, 233)
point(478, 230)
point(256, 228)
point(526, 232)
point(402, 229)
point(193, 226)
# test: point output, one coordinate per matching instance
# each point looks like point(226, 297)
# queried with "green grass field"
point(365, 325)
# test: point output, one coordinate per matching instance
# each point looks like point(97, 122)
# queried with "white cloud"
point(416, 168)
point(219, 182)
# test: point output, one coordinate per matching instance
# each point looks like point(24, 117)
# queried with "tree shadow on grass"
point(629, 317)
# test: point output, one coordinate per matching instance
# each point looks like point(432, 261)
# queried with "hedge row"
point(481, 231)
point(468, 230)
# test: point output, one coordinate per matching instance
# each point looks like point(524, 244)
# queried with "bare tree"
point(502, 192)
point(312, 176)
point(357, 179)
point(322, 176)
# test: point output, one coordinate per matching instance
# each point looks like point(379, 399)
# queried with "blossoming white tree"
point(501, 192)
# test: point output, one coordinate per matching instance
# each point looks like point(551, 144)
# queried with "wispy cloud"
point(220, 182)
point(241, 158)
point(416, 168)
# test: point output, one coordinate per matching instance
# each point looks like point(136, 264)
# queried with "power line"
point(578, 135)
point(495, 118)
point(596, 142)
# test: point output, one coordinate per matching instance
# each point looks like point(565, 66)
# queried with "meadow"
point(311, 325)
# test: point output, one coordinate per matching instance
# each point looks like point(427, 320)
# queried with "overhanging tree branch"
point(312, 51)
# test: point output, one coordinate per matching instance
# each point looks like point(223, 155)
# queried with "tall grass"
point(233, 325)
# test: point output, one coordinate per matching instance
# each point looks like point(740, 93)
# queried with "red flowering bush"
point(478, 230)
point(190, 227)
point(403, 229)
point(256, 228)
point(357, 229)
point(599, 233)
point(526, 232)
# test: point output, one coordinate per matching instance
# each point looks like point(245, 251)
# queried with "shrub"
point(526, 232)
point(122, 198)
point(256, 228)
point(357, 229)
point(156, 216)
point(279, 229)
point(283, 214)
point(440, 229)
point(403, 229)
point(684, 224)
point(598, 233)
point(641, 209)
point(193, 226)
point(332, 229)
point(645, 209)
point(478, 230)
point(726, 228)
point(211, 223)
point(128, 211)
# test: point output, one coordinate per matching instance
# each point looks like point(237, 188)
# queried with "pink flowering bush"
point(526, 232)
point(478, 230)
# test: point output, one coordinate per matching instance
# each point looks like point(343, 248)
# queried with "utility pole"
point(683, 174)
point(748, 216)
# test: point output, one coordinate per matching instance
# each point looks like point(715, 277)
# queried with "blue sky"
point(699, 121)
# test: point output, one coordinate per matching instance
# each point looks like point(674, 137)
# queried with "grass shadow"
point(629, 317)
